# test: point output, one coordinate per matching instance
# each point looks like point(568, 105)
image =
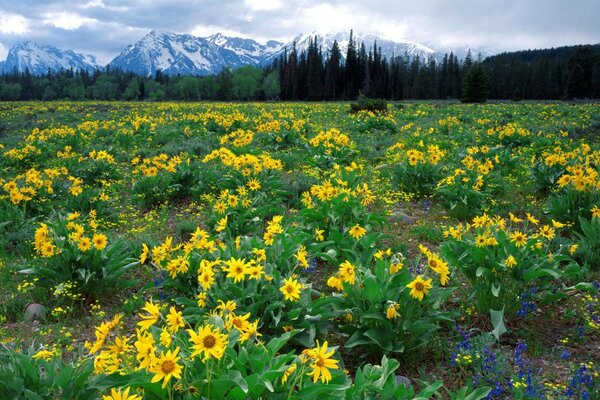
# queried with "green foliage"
point(92, 268)
point(499, 266)
point(588, 251)
point(24, 377)
point(364, 103)
point(475, 85)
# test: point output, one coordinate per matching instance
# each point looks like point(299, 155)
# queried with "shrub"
point(364, 103)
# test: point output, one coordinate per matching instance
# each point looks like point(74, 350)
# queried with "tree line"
point(316, 74)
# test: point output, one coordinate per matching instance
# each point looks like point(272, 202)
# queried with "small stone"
point(35, 312)
point(402, 380)
point(407, 219)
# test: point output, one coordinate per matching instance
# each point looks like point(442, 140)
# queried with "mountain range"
point(184, 54)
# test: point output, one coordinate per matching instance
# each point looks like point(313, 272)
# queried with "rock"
point(407, 219)
point(35, 312)
point(402, 380)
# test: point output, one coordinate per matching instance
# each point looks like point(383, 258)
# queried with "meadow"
point(299, 251)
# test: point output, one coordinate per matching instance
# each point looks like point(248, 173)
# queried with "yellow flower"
point(547, 231)
point(84, 244)
point(419, 287)
point(145, 253)
point(236, 269)
point(291, 289)
point(153, 315)
point(334, 282)
point(251, 332)
point(100, 241)
point(166, 366)
point(145, 349)
point(253, 184)
point(481, 240)
point(532, 219)
point(321, 363)
point(392, 311)
point(347, 273)
point(165, 338)
point(208, 342)
point(357, 231)
point(121, 395)
point(573, 248)
point(120, 346)
point(239, 322)
point(286, 374)
point(595, 212)
point(510, 261)
point(45, 354)
point(395, 267)
point(514, 219)
point(47, 249)
point(519, 238)
point(175, 320)
point(222, 224)
point(319, 234)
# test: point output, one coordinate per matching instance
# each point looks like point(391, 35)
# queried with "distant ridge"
point(184, 54)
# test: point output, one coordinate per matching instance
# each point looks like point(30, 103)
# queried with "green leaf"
point(381, 337)
point(479, 393)
point(496, 289)
point(498, 323)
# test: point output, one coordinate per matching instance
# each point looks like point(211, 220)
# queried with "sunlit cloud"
point(263, 5)
point(13, 24)
point(68, 21)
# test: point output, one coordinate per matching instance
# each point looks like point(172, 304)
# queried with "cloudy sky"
point(105, 27)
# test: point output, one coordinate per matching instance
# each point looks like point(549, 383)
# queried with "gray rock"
point(35, 312)
point(402, 380)
point(407, 219)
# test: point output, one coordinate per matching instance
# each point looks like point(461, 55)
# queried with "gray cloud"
point(105, 27)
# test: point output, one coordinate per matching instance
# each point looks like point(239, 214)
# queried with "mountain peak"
point(39, 59)
point(185, 54)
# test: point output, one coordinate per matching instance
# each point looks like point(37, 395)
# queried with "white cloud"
point(263, 5)
point(329, 18)
point(207, 30)
point(67, 21)
point(13, 24)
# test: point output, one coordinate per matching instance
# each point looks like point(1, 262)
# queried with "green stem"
point(208, 377)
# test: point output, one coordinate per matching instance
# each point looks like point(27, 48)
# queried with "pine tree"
point(314, 71)
point(351, 68)
point(475, 85)
point(576, 83)
point(333, 72)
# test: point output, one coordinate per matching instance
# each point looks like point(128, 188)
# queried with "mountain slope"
point(388, 47)
point(189, 55)
point(40, 59)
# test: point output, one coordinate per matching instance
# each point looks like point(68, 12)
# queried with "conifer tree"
point(475, 85)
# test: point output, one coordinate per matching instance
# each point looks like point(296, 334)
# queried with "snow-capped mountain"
point(388, 47)
point(184, 54)
point(249, 50)
point(41, 59)
point(174, 54)
point(461, 52)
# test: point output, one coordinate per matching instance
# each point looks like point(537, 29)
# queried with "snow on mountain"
point(183, 54)
point(250, 51)
point(40, 59)
point(388, 47)
point(461, 52)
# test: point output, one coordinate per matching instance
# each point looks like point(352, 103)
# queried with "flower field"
point(299, 251)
